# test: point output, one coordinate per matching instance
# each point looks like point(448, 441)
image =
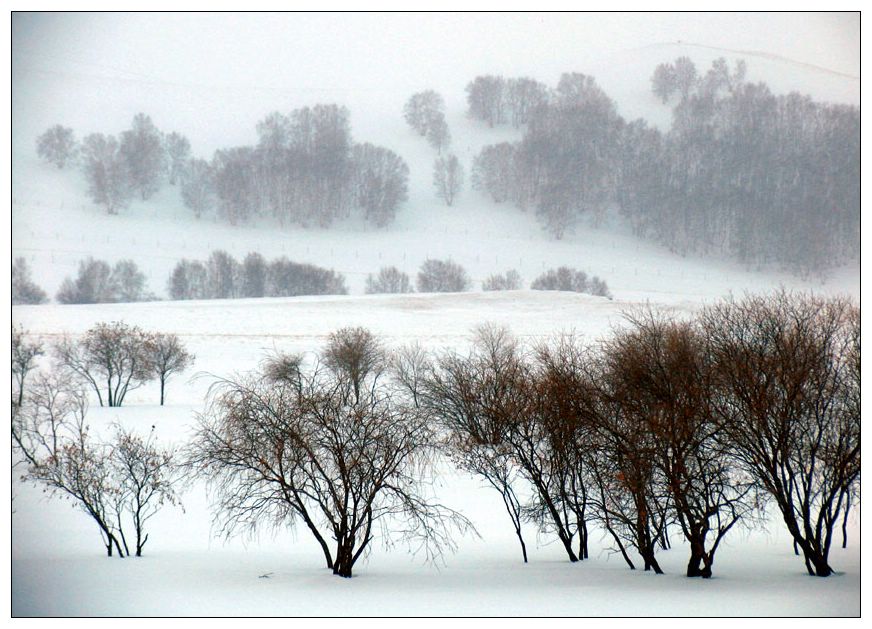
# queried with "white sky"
point(212, 76)
point(378, 50)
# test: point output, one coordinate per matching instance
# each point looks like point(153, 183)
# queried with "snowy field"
point(58, 566)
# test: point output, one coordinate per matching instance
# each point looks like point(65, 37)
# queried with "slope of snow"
point(58, 567)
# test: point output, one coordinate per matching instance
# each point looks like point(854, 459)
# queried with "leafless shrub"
point(113, 358)
point(787, 370)
point(24, 355)
point(128, 479)
point(350, 465)
point(167, 356)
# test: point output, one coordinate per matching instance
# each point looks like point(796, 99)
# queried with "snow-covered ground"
point(58, 566)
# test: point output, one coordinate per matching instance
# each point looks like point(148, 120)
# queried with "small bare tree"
point(168, 356)
point(462, 394)
point(110, 481)
point(305, 449)
point(111, 355)
point(50, 433)
point(146, 478)
point(356, 357)
point(24, 355)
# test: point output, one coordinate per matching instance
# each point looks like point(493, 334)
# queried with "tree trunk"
point(162, 382)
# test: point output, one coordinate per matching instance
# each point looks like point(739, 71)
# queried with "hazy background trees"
point(98, 283)
point(24, 290)
point(442, 276)
point(765, 179)
point(57, 146)
point(106, 172)
point(389, 280)
point(142, 150)
point(448, 178)
point(223, 277)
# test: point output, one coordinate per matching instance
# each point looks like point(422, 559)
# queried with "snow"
point(214, 87)
point(187, 570)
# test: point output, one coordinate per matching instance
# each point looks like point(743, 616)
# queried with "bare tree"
point(224, 274)
point(111, 355)
point(787, 369)
point(356, 357)
point(438, 135)
point(147, 478)
point(94, 284)
point(253, 276)
point(57, 146)
point(422, 109)
point(24, 355)
point(485, 98)
point(303, 449)
point(664, 82)
point(667, 382)
point(128, 281)
point(189, 280)
point(465, 395)
point(168, 356)
point(110, 481)
point(380, 182)
point(50, 433)
point(448, 178)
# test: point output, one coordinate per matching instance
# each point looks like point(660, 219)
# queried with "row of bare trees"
point(689, 425)
point(669, 425)
point(110, 358)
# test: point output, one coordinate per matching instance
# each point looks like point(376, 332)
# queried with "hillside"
point(54, 224)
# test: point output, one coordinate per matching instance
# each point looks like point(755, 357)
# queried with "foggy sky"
point(78, 68)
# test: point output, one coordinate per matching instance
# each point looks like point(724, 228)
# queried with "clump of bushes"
point(98, 283)
point(389, 280)
point(24, 290)
point(510, 280)
point(442, 276)
point(565, 278)
point(222, 277)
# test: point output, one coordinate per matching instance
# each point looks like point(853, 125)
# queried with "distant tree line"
point(763, 178)
point(99, 283)
point(223, 277)
point(305, 169)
